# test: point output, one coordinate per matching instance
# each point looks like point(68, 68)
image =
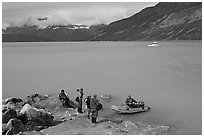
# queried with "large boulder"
point(12, 103)
point(13, 100)
point(29, 100)
point(25, 108)
point(39, 97)
point(23, 118)
point(9, 105)
point(4, 101)
point(34, 98)
point(4, 129)
point(14, 126)
point(37, 115)
point(8, 114)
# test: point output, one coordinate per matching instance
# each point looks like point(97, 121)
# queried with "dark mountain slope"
point(50, 33)
point(165, 21)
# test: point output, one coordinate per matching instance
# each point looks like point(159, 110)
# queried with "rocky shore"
point(44, 115)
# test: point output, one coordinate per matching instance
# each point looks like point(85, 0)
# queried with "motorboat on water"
point(154, 44)
point(106, 96)
point(124, 109)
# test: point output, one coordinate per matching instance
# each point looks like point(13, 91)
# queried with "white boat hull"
point(123, 109)
point(106, 96)
point(153, 45)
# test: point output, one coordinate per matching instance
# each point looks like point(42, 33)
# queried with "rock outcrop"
point(56, 120)
point(40, 116)
point(18, 116)
point(14, 126)
point(8, 114)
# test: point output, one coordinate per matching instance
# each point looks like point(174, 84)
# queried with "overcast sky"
point(61, 13)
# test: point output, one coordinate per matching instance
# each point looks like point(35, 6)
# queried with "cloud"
point(62, 13)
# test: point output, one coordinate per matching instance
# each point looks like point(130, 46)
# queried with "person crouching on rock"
point(64, 98)
point(93, 108)
point(87, 101)
point(79, 100)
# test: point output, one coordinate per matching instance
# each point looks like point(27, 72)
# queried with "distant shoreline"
point(104, 41)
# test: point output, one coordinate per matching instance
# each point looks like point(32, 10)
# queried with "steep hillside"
point(165, 21)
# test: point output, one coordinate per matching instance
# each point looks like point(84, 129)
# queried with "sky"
point(63, 13)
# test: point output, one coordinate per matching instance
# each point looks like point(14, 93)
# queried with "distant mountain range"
point(50, 33)
point(164, 21)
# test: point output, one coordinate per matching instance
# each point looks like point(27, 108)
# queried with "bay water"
point(167, 78)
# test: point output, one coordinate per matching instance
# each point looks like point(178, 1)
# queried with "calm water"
point(168, 78)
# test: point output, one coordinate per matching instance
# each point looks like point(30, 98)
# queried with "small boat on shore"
point(154, 44)
point(124, 109)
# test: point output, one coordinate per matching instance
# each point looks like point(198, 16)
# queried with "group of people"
point(92, 103)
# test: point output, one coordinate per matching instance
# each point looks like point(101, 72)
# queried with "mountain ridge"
point(164, 21)
point(161, 22)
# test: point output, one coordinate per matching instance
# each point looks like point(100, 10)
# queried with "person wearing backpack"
point(93, 108)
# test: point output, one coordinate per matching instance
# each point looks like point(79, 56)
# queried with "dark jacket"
point(87, 101)
point(63, 96)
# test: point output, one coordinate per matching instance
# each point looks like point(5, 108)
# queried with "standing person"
point(93, 108)
point(87, 101)
point(80, 100)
